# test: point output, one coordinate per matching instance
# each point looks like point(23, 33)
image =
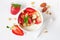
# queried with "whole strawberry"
point(15, 8)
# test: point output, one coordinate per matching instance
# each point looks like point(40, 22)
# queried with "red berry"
point(15, 8)
point(20, 19)
point(29, 20)
point(17, 31)
point(38, 20)
point(30, 10)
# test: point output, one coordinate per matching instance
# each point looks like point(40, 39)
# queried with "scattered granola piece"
point(24, 24)
point(48, 6)
point(45, 30)
point(32, 3)
point(47, 12)
point(9, 19)
point(50, 13)
point(15, 18)
point(28, 24)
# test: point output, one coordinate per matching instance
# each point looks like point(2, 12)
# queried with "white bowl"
point(32, 27)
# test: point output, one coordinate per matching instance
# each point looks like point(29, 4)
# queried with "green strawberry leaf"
point(16, 5)
point(7, 26)
point(25, 19)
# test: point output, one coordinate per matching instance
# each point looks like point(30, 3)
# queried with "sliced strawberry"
point(22, 15)
point(30, 10)
point(20, 19)
point(16, 30)
point(15, 8)
point(30, 14)
point(29, 20)
point(38, 20)
point(25, 12)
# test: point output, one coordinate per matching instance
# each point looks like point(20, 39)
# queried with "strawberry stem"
point(16, 5)
point(8, 27)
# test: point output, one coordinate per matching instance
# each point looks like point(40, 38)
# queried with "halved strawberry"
point(16, 30)
point(15, 8)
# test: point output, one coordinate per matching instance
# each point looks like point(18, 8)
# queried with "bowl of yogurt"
point(30, 19)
